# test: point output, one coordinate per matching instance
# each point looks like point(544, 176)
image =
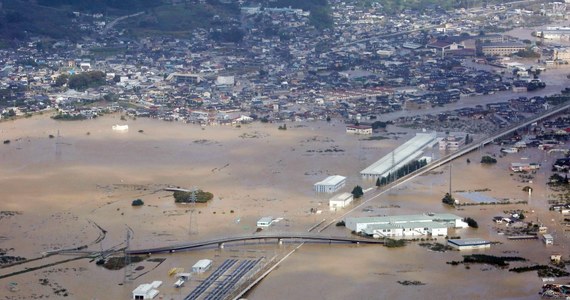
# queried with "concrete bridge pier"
point(221, 245)
point(280, 241)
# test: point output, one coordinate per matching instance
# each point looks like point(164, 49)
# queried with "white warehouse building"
point(340, 201)
point(330, 185)
point(406, 225)
point(202, 266)
point(146, 291)
point(401, 156)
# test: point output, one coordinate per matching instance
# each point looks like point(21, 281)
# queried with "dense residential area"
point(271, 63)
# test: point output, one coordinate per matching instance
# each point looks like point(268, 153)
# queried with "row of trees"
point(186, 197)
point(401, 172)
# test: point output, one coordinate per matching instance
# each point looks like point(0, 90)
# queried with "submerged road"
point(450, 157)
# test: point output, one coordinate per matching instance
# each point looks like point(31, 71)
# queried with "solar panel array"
point(222, 288)
point(225, 287)
point(202, 287)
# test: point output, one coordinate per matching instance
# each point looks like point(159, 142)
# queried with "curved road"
point(277, 236)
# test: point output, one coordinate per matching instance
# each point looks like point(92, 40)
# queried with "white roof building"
point(469, 244)
point(202, 266)
point(406, 225)
point(330, 185)
point(265, 222)
point(340, 201)
point(146, 290)
point(398, 158)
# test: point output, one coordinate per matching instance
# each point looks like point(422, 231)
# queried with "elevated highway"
point(268, 236)
point(481, 143)
point(450, 157)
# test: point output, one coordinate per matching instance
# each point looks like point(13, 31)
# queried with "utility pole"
point(127, 276)
point(193, 198)
point(450, 179)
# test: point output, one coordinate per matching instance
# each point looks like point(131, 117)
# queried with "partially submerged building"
point(330, 185)
point(146, 291)
point(340, 201)
point(398, 158)
point(406, 225)
point(469, 244)
point(265, 222)
point(202, 266)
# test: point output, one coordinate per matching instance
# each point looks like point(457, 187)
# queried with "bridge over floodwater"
point(305, 237)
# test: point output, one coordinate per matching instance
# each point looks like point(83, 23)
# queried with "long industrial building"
point(406, 225)
point(398, 158)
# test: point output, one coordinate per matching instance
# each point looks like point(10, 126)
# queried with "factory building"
point(406, 225)
point(469, 244)
point(330, 185)
point(398, 158)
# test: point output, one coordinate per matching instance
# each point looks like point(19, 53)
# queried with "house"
point(184, 78)
point(340, 201)
point(359, 129)
point(146, 290)
point(451, 143)
point(202, 266)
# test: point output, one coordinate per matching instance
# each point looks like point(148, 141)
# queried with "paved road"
point(280, 236)
point(450, 157)
point(119, 19)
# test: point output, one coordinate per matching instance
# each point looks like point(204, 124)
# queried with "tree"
point(472, 223)
point(488, 160)
point(378, 182)
point(357, 192)
point(61, 80)
point(186, 197)
point(448, 199)
point(137, 202)
point(328, 118)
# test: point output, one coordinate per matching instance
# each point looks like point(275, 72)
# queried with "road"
point(277, 236)
point(450, 157)
point(119, 19)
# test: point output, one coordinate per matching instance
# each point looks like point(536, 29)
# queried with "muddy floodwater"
point(65, 185)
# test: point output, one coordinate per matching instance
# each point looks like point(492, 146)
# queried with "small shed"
point(547, 239)
point(340, 201)
point(265, 222)
point(202, 266)
point(146, 291)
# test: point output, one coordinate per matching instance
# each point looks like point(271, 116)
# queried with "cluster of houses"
point(266, 76)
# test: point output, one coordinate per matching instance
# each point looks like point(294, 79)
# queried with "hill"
point(101, 5)
point(19, 19)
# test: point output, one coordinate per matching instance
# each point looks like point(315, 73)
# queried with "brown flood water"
point(62, 186)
